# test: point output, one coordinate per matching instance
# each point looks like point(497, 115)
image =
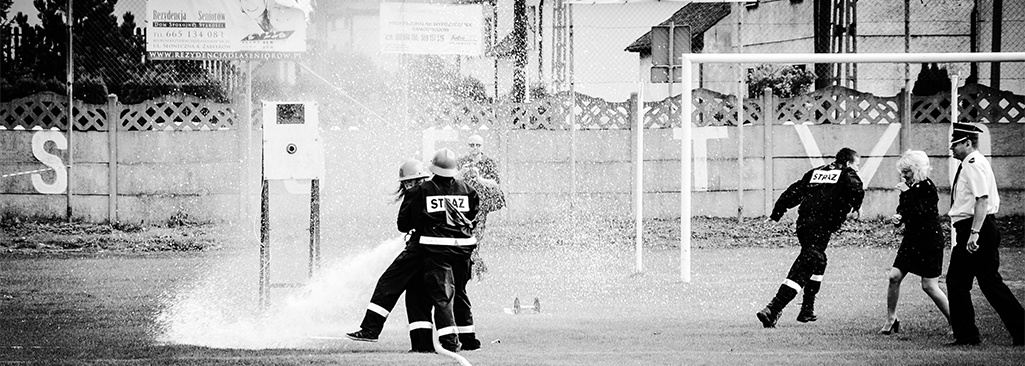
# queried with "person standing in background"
point(481, 172)
point(486, 166)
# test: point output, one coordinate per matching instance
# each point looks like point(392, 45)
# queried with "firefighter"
point(440, 212)
point(828, 195)
point(405, 271)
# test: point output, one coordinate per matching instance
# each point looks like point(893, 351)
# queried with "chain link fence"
point(109, 56)
point(602, 47)
point(608, 65)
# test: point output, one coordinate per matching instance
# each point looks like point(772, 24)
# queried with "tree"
point(5, 7)
point(519, 91)
point(108, 57)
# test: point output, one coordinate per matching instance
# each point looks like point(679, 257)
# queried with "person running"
point(975, 255)
point(921, 250)
point(828, 195)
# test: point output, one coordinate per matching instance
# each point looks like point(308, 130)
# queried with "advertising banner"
point(432, 29)
point(226, 29)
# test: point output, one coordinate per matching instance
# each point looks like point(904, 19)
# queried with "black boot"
point(468, 342)
point(420, 340)
point(449, 342)
point(770, 313)
point(807, 313)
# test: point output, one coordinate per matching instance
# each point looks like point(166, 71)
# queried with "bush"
point(166, 78)
point(91, 89)
point(26, 86)
point(785, 81)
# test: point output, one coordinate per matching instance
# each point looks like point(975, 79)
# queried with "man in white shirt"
point(974, 202)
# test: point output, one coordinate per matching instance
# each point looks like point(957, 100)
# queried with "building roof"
point(699, 16)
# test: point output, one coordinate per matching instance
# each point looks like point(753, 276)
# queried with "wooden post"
point(264, 241)
point(70, 67)
point(637, 114)
point(686, 125)
point(113, 123)
point(314, 226)
point(769, 111)
point(741, 89)
point(247, 145)
point(905, 117)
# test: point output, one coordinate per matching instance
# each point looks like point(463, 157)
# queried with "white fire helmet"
point(412, 169)
point(444, 163)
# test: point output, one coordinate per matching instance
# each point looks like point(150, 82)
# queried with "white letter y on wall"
point(872, 160)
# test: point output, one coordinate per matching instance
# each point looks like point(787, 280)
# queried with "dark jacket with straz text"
point(441, 211)
point(826, 195)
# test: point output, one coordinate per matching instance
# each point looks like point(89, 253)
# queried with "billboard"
point(432, 29)
point(226, 29)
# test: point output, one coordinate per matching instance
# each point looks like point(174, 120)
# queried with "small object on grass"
point(517, 308)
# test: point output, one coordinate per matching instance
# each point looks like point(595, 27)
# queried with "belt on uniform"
point(435, 240)
point(962, 219)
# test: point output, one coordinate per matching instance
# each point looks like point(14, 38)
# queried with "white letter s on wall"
point(60, 184)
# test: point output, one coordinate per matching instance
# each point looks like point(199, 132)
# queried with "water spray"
point(342, 92)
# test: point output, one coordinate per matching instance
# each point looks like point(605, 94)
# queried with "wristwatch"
point(975, 231)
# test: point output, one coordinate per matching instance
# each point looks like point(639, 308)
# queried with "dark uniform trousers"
point(419, 274)
point(418, 307)
point(408, 267)
point(812, 259)
point(982, 265)
point(421, 297)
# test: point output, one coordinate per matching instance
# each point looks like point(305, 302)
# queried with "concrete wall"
point(158, 174)
point(538, 178)
point(200, 174)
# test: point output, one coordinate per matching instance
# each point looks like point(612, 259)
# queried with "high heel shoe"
point(894, 328)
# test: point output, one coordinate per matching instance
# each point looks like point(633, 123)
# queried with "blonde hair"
point(917, 162)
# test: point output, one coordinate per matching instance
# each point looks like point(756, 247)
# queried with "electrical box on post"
point(292, 148)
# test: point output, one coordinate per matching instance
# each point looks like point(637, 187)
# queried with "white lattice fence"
point(178, 113)
point(839, 105)
point(598, 114)
point(542, 114)
point(170, 113)
point(47, 111)
point(986, 104)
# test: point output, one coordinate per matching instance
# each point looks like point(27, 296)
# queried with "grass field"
point(196, 304)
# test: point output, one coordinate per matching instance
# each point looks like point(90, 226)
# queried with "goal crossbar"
point(849, 58)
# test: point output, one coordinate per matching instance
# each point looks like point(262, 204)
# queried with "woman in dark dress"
point(921, 250)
